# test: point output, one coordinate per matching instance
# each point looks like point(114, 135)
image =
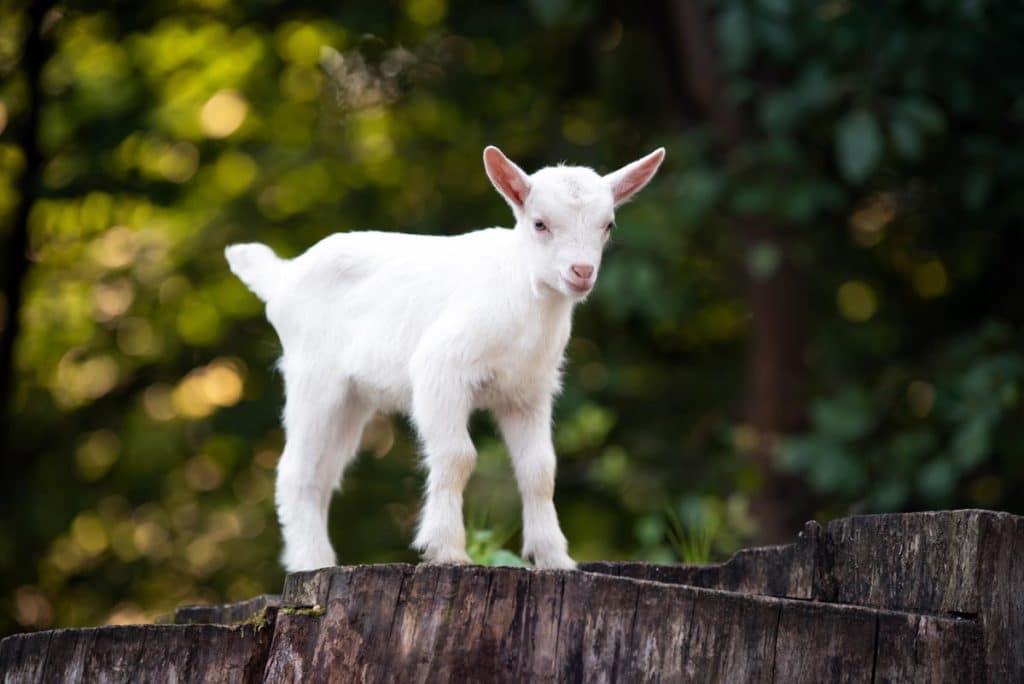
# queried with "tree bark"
point(775, 404)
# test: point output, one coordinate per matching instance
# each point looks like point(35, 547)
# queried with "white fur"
point(435, 327)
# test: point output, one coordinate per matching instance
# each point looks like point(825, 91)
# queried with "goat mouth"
point(577, 286)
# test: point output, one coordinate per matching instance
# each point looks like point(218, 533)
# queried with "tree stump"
point(913, 597)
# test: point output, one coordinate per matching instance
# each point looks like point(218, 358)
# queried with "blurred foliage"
point(885, 139)
point(899, 442)
point(694, 529)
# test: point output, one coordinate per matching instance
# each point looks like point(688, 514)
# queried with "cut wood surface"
point(254, 609)
point(914, 597)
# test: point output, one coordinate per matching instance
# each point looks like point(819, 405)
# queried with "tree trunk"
point(775, 362)
point(775, 382)
point(16, 255)
point(914, 597)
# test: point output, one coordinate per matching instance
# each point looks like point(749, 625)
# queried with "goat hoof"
point(447, 557)
point(560, 561)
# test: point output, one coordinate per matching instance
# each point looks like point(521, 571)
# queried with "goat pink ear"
point(509, 179)
point(631, 178)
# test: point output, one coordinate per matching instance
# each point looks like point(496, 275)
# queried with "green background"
point(815, 309)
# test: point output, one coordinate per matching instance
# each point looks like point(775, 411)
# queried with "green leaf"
point(699, 188)
point(937, 481)
point(906, 137)
point(692, 530)
point(838, 471)
point(847, 416)
point(797, 454)
point(550, 12)
point(649, 529)
point(799, 205)
point(763, 260)
point(977, 186)
point(972, 442)
point(907, 449)
point(777, 6)
point(754, 198)
point(804, 198)
point(735, 37)
point(778, 112)
point(816, 88)
point(505, 558)
point(890, 495)
point(858, 145)
point(928, 116)
point(777, 37)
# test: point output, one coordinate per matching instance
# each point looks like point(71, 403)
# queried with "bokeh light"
point(205, 389)
point(857, 301)
point(930, 279)
point(223, 114)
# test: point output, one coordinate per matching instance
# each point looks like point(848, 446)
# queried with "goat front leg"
point(441, 408)
point(527, 433)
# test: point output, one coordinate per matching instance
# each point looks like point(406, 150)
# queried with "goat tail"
point(257, 266)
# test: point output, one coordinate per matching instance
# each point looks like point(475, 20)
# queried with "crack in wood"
point(874, 650)
point(775, 643)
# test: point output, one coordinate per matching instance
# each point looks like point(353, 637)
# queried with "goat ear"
point(509, 179)
point(631, 178)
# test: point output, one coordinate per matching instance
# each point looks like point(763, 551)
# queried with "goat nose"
point(583, 270)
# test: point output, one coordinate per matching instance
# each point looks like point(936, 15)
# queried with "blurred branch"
point(703, 71)
point(16, 257)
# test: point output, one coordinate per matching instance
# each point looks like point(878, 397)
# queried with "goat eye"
point(610, 226)
point(539, 225)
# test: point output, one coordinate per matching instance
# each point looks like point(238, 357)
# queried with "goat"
point(436, 327)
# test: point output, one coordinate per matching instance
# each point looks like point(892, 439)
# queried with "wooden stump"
point(915, 597)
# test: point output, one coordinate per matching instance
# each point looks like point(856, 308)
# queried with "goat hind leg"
point(323, 427)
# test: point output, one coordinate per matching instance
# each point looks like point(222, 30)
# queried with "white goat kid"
point(436, 327)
